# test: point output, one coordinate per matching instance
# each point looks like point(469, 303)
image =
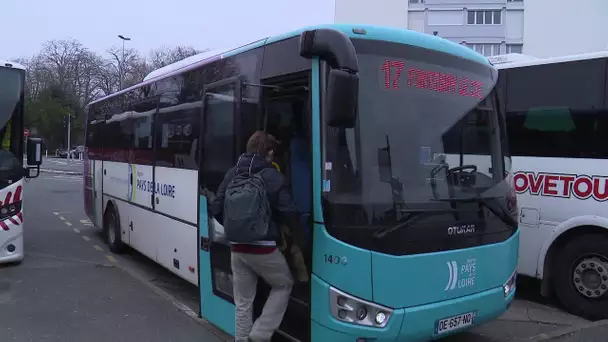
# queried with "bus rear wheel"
point(112, 232)
point(581, 276)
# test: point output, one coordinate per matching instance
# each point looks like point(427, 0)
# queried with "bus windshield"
point(11, 87)
point(429, 140)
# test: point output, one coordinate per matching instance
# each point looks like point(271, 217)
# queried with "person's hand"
point(207, 193)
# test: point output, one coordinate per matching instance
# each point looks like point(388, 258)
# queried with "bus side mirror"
point(342, 99)
point(337, 50)
point(34, 157)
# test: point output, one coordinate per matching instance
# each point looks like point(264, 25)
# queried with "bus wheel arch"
point(565, 251)
point(112, 231)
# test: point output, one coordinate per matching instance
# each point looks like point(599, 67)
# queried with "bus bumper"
point(406, 324)
point(11, 249)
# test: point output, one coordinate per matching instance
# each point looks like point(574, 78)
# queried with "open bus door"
point(286, 115)
point(221, 103)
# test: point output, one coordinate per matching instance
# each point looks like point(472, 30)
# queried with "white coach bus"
point(557, 122)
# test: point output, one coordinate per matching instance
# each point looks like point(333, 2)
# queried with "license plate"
point(448, 324)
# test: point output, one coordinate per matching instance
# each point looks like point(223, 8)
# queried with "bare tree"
point(65, 76)
point(119, 63)
point(163, 56)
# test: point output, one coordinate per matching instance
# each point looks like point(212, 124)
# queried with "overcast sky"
point(26, 24)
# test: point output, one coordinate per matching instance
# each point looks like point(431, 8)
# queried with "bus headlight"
point(380, 318)
point(10, 210)
point(510, 285)
point(347, 308)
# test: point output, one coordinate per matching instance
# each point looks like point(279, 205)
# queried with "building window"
point(486, 49)
point(484, 17)
point(514, 48)
point(416, 1)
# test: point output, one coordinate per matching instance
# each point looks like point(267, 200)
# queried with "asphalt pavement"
point(62, 165)
point(71, 288)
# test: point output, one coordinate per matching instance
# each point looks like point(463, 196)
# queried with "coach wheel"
point(112, 232)
point(581, 276)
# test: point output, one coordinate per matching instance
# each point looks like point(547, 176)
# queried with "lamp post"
point(68, 123)
point(124, 39)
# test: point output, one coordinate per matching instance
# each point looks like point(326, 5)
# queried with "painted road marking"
point(68, 223)
point(98, 248)
point(62, 218)
point(111, 258)
point(69, 179)
point(56, 213)
point(76, 230)
point(86, 238)
point(86, 222)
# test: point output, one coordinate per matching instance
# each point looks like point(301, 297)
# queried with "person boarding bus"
point(253, 233)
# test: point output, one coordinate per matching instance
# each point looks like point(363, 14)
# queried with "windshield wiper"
point(500, 213)
point(413, 216)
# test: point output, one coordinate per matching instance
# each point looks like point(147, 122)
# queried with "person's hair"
point(261, 143)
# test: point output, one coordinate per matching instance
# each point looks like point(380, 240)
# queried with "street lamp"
point(68, 122)
point(124, 39)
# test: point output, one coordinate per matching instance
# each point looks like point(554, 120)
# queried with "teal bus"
point(394, 146)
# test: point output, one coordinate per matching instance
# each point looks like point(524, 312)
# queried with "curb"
point(556, 334)
point(61, 172)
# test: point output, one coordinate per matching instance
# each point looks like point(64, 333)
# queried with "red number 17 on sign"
point(387, 67)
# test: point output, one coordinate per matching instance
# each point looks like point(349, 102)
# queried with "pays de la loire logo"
point(462, 276)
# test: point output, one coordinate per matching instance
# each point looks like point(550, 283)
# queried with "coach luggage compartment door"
point(221, 103)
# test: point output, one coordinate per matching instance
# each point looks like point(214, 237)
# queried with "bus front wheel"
point(112, 232)
point(581, 276)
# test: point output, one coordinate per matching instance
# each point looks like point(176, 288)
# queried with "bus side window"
point(219, 138)
point(557, 110)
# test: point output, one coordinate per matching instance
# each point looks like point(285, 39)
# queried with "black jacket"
point(284, 210)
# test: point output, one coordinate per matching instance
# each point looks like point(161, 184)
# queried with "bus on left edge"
point(12, 168)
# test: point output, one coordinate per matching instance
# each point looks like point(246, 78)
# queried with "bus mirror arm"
point(342, 95)
point(34, 157)
point(332, 46)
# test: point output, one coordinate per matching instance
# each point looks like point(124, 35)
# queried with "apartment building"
point(490, 27)
point(540, 28)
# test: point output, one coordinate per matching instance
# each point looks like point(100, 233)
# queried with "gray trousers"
point(245, 271)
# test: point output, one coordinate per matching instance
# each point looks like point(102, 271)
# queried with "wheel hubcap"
point(590, 277)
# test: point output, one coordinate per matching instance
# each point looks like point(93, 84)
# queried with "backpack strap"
point(236, 168)
point(251, 164)
point(250, 168)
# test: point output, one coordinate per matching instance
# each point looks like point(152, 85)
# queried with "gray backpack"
point(247, 210)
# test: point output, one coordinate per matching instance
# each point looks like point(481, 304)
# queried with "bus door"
point(219, 147)
point(287, 117)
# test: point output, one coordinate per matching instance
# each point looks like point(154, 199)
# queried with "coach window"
point(558, 110)
point(219, 138)
point(142, 114)
point(117, 132)
point(94, 137)
point(178, 121)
